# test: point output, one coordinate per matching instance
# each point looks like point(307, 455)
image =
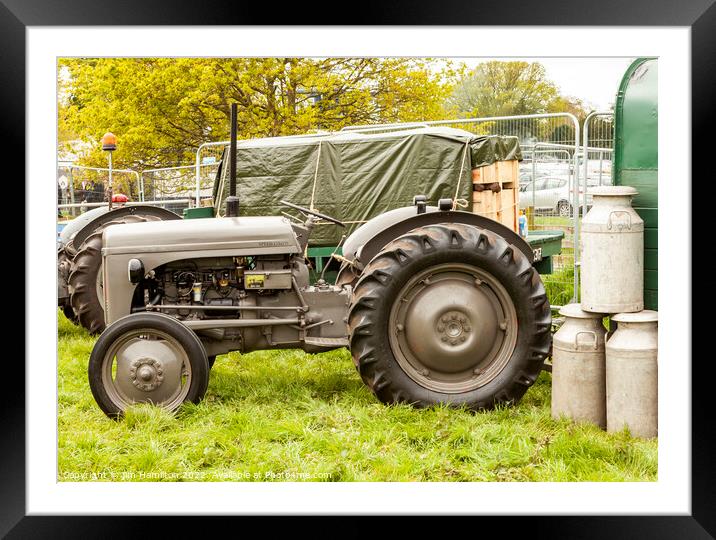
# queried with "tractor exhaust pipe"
point(232, 201)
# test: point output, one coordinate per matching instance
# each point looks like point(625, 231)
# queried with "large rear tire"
point(69, 313)
point(64, 265)
point(452, 314)
point(85, 281)
point(147, 358)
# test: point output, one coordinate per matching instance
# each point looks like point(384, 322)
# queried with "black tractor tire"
point(381, 289)
point(64, 263)
point(185, 338)
point(70, 314)
point(70, 250)
point(84, 275)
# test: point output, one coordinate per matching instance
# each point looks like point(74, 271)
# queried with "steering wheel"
point(312, 213)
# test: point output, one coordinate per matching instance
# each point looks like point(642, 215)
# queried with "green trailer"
point(545, 245)
point(636, 158)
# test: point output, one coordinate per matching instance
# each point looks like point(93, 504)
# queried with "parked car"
point(526, 176)
point(551, 194)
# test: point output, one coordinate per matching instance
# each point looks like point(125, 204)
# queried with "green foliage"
point(162, 109)
point(287, 415)
point(499, 88)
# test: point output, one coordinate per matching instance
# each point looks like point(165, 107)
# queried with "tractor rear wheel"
point(69, 313)
point(64, 265)
point(452, 314)
point(85, 281)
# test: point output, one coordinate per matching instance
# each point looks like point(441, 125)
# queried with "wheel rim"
point(146, 366)
point(453, 328)
point(563, 209)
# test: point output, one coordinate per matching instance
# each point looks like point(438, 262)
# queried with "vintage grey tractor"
point(436, 305)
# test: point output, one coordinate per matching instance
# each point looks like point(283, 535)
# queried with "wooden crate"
point(496, 192)
point(506, 173)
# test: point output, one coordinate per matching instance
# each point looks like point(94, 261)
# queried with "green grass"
point(287, 415)
point(542, 221)
point(559, 285)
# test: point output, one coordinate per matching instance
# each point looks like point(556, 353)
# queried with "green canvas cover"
point(357, 176)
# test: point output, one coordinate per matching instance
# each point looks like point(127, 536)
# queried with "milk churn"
point(612, 266)
point(632, 374)
point(578, 371)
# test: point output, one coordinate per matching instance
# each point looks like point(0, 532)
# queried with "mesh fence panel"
point(175, 187)
point(209, 160)
point(600, 148)
point(547, 179)
point(546, 196)
point(87, 188)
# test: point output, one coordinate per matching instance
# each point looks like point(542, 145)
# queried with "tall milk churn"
point(632, 374)
point(578, 368)
point(612, 266)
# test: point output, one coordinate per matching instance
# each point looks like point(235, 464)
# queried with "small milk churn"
point(578, 370)
point(612, 266)
point(632, 374)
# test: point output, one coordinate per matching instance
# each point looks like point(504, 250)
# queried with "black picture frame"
point(700, 16)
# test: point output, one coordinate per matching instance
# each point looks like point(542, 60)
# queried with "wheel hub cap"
point(453, 328)
point(146, 373)
point(148, 369)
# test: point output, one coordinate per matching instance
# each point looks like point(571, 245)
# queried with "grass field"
point(287, 415)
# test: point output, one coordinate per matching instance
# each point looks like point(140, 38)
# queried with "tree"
point(162, 109)
point(499, 88)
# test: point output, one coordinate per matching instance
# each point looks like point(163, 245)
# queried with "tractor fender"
point(80, 228)
point(367, 241)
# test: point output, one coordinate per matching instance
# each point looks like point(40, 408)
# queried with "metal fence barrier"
point(80, 188)
point(78, 185)
point(597, 153)
point(550, 171)
point(177, 186)
point(86, 206)
point(597, 148)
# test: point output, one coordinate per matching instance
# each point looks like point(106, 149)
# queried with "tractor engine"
point(268, 297)
point(223, 282)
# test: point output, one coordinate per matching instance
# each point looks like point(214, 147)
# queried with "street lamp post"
point(109, 144)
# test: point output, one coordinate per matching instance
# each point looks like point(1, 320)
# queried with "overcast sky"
point(594, 80)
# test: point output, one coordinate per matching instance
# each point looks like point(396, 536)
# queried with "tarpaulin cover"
point(356, 176)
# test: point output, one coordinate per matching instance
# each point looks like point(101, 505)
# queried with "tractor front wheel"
point(147, 358)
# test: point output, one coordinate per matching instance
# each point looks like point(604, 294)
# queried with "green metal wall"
point(636, 158)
